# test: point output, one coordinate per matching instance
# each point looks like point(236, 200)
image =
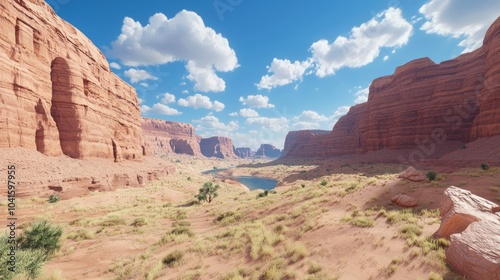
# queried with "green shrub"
point(323, 182)
point(173, 258)
point(28, 262)
point(53, 198)
point(431, 175)
point(41, 236)
point(485, 166)
point(263, 194)
point(182, 230)
point(208, 192)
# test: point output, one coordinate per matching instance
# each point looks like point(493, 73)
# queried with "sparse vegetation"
point(324, 182)
point(173, 259)
point(208, 192)
point(485, 166)
point(53, 198)
point(431, 175)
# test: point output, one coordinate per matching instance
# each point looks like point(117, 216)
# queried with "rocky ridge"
point(421, 105)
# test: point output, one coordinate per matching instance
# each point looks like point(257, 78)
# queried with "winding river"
point(251, 182)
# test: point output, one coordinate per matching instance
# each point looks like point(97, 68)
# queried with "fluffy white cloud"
point(362, 95)
point(256, 101)
point(233, 114)
point(460, 19)
point(181, 38)
point(211, 123)
point(115, 65)
point(159, 109)
point(248, 113)
point(283, 72)
point(386, 58)
point(387, 29)
point(200, 101)
point(309, 120)
point(273, 124)
point(144, 84)
point(168, 98)
point(136, 75)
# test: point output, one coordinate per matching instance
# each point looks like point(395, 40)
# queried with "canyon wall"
point(220, 147)
point(422, 103)
point(244, 152)
point(164, 137)
point(57, 93)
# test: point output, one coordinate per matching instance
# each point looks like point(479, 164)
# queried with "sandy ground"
point(306, 230)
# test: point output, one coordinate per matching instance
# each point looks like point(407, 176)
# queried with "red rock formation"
point(267, 150)
point(57, 94)
point(412, 174)
point(295, 140)
point(472, 224)
point(422, 104)
point(404, 200)
point(221, 147)
point(163, 137)
point(243, 152)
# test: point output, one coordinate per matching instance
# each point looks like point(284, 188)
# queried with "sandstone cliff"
point(57, 94)
point(221, 147)
point(421, 104)
point(164, 137)
point(244, 152)
point(267, 150)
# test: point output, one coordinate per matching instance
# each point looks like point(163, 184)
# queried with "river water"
point(251, 182)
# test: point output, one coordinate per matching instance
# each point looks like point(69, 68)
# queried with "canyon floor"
point(327, 219)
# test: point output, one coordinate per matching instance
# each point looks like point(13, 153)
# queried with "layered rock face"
point(57, 94)
point(472, 224)
point(295, 140)
point(164, 137)
point(243, 152)
point(220, 147)
point(267, 150)
point(422, 104)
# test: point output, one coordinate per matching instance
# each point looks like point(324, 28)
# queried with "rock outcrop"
point(412, 174)
point(57, 93)
point(421, 105)
point(295, 140)
point(164, 137)
point(220, 147)
point(243, 152)
point(267, 150)
point(404, 200)
point(472, 224)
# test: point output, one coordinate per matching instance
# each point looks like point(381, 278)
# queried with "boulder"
point(404, 200)
point(472, 224)
point(412, 174)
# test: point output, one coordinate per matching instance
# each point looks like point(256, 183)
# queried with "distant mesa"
point(219, 147)
point(267, 150)
point(422, 103)
point(166, 137)
point(244, 152)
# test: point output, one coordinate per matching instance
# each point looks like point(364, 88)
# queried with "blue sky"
point(254, 70)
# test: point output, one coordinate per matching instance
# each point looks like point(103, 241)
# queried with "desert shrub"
point(28, 262)
point(139, 222)
point(314, 268)
point(228, 217)
point(431, 175)
point(411, 230)
point(181, 224)
point(485, 166)
point(80, 235)
point(173, 259)
point(303, 185)
point(53, 198)
point(113, 221)
point(41, 236)
point(208, 192)
point(323, 182)
point(263, 194)
point(362, 221)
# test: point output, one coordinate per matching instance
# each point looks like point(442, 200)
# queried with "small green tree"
point(41, 236)
point(208, 192)
point(53, 198)
point(485, 166)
